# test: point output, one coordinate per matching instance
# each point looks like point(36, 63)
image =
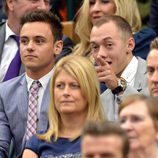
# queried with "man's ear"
point(130, 44)
point(10, 4)
point(58, 46)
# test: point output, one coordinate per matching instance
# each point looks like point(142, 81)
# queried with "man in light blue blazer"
point(112, 43)
point(40, 42)
point(8, 47)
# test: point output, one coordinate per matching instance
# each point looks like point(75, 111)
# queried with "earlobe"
point(58, 47)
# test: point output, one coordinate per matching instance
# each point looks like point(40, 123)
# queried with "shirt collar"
point(130, 71)
point(44, 80)
point(9, 32)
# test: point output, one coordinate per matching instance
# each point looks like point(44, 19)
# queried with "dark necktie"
point(14, 67)
point(32, 109)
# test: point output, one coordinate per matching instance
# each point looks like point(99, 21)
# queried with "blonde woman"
point(128, 9)
point(74, 99)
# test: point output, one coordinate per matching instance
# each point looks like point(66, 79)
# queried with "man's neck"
point(14, 25)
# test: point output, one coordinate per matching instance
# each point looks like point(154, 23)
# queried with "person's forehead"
point(153, 54)
point(36, 29)
point(152, 57)
point(105, 31)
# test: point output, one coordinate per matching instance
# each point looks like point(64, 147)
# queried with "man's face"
point(21, 7)
point(107, 43)
point(152, 72)
point(102, 147)
point(37, 47)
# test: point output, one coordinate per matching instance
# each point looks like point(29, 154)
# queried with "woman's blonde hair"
point(127, 9)
point(83, 71)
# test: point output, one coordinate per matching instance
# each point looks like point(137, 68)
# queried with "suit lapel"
point(140, 79)
point(43, 120)
point(2, 38)
point(108, 104)
point(23, 99)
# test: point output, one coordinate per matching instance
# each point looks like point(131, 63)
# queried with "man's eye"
point(39, 41)
point(94, 48)
point(109, 45)
point(34, 1)
point(150, 71)
point(47, 1)
point(24, 41)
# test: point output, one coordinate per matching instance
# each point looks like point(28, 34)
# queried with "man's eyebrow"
point(104, 39)
point(92, 42)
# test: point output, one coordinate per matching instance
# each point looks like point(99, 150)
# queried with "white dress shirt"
point(130, 71)
point(9, 51)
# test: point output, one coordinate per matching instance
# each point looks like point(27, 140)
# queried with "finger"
point(99, 69)
point(101, 61)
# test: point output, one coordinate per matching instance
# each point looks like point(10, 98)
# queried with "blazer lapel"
point(43, 120)
point(140, 79)
point(2, 37)
point(108, 104)
point(23, 99)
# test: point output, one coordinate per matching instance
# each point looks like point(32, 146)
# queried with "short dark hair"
point(106, 129)
point(154, 44)
point(120, 23)
point(41, 15)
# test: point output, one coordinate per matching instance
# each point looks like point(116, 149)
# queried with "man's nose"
point(154, 77)
point(102, 53)
point(43, 5)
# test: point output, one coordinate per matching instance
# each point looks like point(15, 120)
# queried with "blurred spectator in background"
point(152, 68)
point(2, 15)
point(153, 18)
point(102, 139)
point(138, 116)
point(65, 9)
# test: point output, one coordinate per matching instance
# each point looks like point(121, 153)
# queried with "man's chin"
point(155, 94)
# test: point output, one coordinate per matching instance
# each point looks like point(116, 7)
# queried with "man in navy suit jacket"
point(41, 35)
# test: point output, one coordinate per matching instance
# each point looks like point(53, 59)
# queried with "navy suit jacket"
point(153, 18)
point(143, 39)
point(13, 114)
